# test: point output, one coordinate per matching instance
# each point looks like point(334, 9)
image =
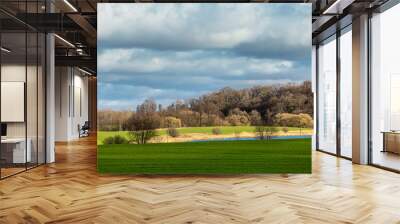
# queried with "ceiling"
point(75, 22)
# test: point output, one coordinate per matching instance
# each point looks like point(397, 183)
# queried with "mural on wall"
point(204, 88)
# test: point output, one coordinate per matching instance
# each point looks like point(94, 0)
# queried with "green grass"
point(101, 135)
point(220, 157)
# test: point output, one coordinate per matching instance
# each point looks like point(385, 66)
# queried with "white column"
point(63, 100)
point(360, 90)
point(50, 92)
point(50, 100)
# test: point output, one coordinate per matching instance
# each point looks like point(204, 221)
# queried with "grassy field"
point(222, 157)
point(101, 135)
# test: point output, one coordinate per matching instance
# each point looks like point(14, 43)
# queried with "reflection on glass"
point(386, 89)
point(327, 96)
point(22, 92)
point(346, 93)
point(394, 102)
point(41, 98)
point(31, 100)
point(14, 153)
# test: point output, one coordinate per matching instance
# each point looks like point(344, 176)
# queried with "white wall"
point(71, 102)
point(62, 82)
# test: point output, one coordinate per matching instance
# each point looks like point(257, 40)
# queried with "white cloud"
point(179, 51)
point(203, 26)
point(140, 61)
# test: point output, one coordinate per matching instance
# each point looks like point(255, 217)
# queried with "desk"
point(391, 141)
point(13, 150)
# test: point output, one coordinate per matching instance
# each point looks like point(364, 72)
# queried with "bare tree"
point(143, 124)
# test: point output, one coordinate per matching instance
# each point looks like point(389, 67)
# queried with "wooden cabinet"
point(391, 142)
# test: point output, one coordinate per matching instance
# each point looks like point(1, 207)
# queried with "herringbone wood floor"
point(70, 191)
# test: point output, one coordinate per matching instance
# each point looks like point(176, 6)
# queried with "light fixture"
point(329, 9)
point(5, 50)
point(337, 7)
point(64, 40)
point(80, 51)
point(70, 5)
point(84, 71)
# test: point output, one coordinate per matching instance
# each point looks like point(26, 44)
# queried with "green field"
point(101, 135)
point(219, 157)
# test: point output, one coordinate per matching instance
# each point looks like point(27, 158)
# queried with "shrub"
point(108, 140)
point(173, 132)
point(142, 125)
point(172, 122)
point(141, 137)
point(238, 120)
point(255, 118)
point(117, 139)
point(237, 117)
point(294, 120)
point(216, 131)
point(306, 121)
point(285, 130)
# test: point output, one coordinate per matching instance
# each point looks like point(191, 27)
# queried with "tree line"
point(274, 105)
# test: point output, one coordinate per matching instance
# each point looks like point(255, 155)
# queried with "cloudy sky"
point(178, 51)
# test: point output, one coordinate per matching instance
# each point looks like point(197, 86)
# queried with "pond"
point(253, 138)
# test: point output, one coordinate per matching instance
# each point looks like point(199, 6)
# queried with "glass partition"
point(22, 107)
point(41, 97)
point(14, 153)
point(32, 97)
point(327, 95)
point(346, 93)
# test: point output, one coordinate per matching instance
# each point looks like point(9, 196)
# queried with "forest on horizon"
point(280, 104)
